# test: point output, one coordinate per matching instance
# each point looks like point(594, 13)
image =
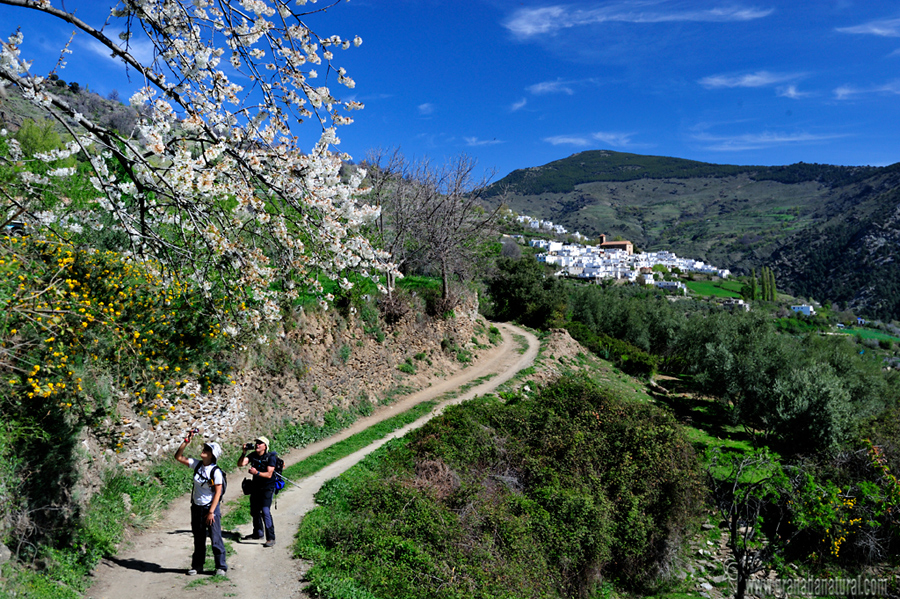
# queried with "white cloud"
point(530, 22)
point(552, 87)
point(607, 138)
point(527, 22)
point(570, 140)
point(614, 139)
point(757, 79)
point(759, 141)
point(140, 48)
point(885, 28)
point(474, 141)
point(791, 91)
point(846, 92)
point(519, 105)
point(426, 108)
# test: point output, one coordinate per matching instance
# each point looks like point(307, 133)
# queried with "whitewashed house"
point(804, 309)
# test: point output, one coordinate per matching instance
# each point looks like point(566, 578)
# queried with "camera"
point(195, 431)
point(249, 446)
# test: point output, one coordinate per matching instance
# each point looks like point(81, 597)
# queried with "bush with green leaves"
point(636, 314)
point(407, 366)
point(535, 497)
point(83, 331)
point(630, 359)
point(522, 291)
point(847, 510)
point(802, 395)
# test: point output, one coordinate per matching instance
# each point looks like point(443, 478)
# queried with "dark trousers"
point(261, 510)
point(201, 530)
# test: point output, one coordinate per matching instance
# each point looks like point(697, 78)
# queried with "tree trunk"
point(445, 280)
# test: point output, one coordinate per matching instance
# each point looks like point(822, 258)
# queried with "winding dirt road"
point(152, 565)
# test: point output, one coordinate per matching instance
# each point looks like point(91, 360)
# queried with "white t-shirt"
point(203, 491)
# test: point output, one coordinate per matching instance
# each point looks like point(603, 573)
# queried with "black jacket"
point(262, 463)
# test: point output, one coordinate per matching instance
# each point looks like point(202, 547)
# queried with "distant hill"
point(109, 111)
point(563, 176)
point(826, 230)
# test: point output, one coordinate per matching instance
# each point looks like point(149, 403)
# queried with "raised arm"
point(179, 453)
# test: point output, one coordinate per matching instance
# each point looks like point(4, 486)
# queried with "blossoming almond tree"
point(213, 185)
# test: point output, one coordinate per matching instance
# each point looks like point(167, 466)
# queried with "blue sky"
point(521, 83)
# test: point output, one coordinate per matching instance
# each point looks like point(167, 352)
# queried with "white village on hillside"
point(612, 259)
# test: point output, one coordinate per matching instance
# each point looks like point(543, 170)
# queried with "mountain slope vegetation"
point(851, 258)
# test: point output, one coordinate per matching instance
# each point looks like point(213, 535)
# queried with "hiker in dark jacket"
point(262, 467)
point(206, 513)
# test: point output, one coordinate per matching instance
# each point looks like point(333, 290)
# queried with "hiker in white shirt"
point(206, 496)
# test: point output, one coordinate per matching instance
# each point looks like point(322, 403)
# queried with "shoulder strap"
point(211, 478)
point(224, 478)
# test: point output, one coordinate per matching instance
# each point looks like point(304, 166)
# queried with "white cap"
point(215, 448)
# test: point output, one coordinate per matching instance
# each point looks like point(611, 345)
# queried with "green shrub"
point(522, 291)
point(344, 353)
point(630, 359)
point(844, 509)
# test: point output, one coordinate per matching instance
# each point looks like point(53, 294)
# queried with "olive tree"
point(752, 493)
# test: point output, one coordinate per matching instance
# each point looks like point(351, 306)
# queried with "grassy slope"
point(715, 289)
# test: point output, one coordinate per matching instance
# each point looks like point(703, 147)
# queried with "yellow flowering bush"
point(848, 506)
point(82, 329)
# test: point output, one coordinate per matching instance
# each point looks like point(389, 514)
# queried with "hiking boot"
point(221, 572)
point(191, 572)
point(269, 543)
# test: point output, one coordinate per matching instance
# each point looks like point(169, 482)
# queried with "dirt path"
point(152, 566)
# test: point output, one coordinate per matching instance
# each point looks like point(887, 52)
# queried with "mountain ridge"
point(607, 165)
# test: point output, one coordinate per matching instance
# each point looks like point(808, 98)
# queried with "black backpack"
point(213, 472)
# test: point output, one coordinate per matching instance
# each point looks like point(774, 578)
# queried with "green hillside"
point(562, 176)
